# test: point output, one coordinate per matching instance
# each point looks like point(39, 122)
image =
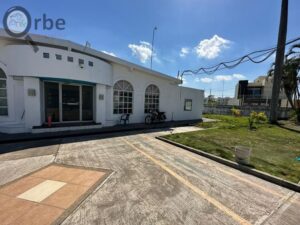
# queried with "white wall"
point(139, 81)
point(21, 60)
point(267, 90)
point(33, 110)
point(197, 97)
point(234, 102)
point(100, 112)
point(15, 97)
point(171, 97)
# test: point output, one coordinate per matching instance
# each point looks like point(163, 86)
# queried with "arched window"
point(123, 97)
point(3, 94)
point(151, 98)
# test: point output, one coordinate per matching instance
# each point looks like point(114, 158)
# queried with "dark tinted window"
point(70, 59)
point(46, 55)
point(58, 57)
point(52, 101)
point(87, 103)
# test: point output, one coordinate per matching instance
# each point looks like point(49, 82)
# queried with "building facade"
point(65, 83)
point(258, 92)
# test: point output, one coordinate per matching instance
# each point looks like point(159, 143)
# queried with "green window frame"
point(3, 94)
point(188, 105)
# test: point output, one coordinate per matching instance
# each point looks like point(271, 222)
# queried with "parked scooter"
point(155, 116)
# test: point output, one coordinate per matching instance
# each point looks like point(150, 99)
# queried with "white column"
point(32, 102)
point(100, 104)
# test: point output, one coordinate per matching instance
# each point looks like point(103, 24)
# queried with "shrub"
point(261, 117)
point(256, 118)
point(236, 112)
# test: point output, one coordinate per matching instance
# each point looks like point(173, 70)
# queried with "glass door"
point(51, 101)
point(87, 103)
point(70, 103)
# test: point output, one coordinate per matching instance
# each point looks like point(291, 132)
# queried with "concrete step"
point(70, 128)
point(13, 127)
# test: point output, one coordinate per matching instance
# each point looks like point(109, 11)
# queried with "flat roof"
point(61, 43)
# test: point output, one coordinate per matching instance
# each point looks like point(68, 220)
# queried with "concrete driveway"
point(156, 183)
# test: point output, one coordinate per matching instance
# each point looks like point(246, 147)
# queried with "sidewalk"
point(9, 138)
point(288, 125)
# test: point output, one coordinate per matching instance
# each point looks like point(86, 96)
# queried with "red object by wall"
point(49, 121)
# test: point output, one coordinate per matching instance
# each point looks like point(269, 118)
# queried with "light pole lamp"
point(153, 34)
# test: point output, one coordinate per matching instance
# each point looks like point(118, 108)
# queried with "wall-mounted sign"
point(31, 92)
point(101, 97)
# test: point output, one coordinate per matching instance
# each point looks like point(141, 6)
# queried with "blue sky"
point(191, 33)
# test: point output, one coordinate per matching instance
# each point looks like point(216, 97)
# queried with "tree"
point(290, 79)
point(279, 60)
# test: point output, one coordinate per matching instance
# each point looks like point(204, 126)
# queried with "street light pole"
point(223, 91)
point(154, 29)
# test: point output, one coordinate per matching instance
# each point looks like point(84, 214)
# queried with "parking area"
point(153, 182)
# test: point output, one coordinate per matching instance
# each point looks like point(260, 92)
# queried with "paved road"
point(157, 183)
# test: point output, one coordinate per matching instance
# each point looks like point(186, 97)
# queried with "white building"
point(74, 84)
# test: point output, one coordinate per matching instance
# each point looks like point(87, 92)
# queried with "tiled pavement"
point(156, 183)
point(42, 197)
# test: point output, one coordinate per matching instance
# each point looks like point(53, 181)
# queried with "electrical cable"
point(228, 64)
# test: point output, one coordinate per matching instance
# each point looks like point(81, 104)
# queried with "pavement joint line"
point(57, 152)
point(88, 197)
point(182, 170)
point(198, 191)
point(221, 170)
point(285, 199)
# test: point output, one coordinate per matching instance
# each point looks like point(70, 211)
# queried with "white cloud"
point(184, 81)
point(211, 48)
point(142, 51)
point(220, 78)
point(238, 76)
point(184, 51)
point(204, 80)
point(145, 43)
point(223, 77)
point(109, 53)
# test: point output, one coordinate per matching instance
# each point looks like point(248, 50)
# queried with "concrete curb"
point(288, 128)
point(245, 169)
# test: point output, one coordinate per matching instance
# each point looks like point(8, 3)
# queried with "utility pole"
point(154, 29)
point(278, 70)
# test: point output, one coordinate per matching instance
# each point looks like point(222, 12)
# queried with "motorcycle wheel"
point(148, 120)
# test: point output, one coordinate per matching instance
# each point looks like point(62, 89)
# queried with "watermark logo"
point(17, 22)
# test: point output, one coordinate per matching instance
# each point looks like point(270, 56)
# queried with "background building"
point(258, 92)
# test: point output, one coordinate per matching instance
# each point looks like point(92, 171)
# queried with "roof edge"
point(72, 45)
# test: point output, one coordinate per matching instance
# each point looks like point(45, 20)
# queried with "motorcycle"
point(155, 116)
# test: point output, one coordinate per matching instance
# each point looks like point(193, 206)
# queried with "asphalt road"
point(156, 183)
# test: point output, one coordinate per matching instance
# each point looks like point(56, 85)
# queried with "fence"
point(283, 113)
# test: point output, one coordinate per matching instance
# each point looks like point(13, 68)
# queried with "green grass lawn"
point(274, 149)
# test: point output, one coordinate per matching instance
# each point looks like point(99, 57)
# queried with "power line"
point(228, 64)
point(208, 70)
point(218, 67)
